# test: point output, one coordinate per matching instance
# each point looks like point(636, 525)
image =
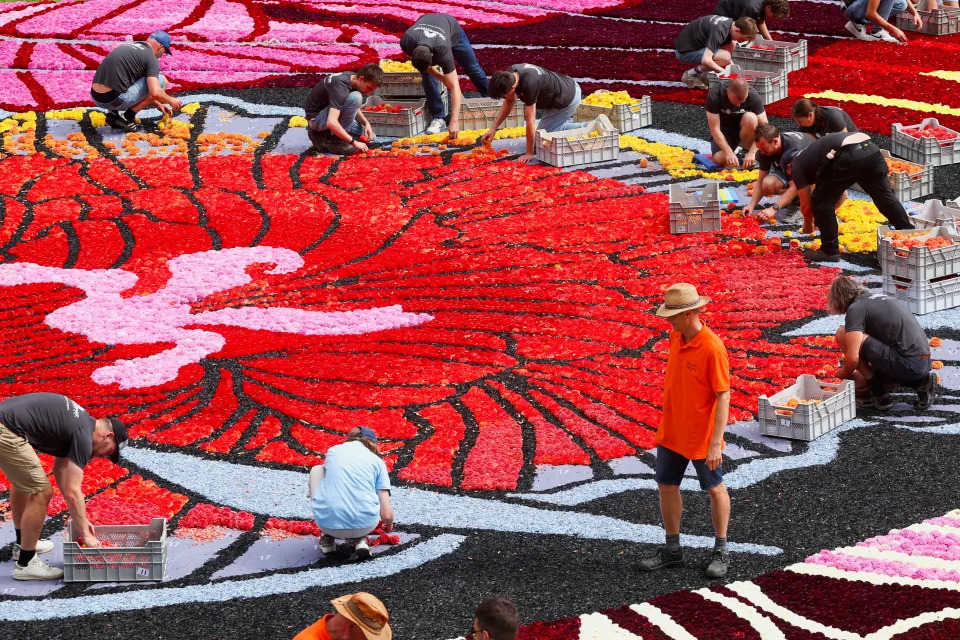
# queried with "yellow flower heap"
point(395, 66)
point(609, 99)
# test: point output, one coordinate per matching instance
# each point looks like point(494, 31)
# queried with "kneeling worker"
point(882, 344)
point(759, 10)
point(58, 426)
point(707, 42)
point(335, 120)
point(772, 180)
point(437, 39)
point(129, 80)
point(538, 88)
point(734, 110)
point(834, 163)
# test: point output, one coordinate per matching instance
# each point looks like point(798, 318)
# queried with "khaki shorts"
point(19, 462)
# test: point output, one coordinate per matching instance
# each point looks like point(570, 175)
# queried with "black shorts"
point(732, 138)
point(889, 365)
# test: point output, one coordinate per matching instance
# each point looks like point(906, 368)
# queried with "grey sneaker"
point(664, 558)
point(693, 80)
point(926, 392)
point(43, 546)
point(719, 563)
point(362, 547)
point(327, 544)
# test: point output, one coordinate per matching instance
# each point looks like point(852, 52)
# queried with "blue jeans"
point(464, 55)
point(132, 96)
point(561, 119)
point(348, 115)
point(857, 12)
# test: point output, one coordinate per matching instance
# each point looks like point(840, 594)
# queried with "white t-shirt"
point(346, 498)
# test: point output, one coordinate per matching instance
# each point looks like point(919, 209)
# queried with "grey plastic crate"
point(934, 213)
point(481, 113)
point(838, 403)
point(410, 121)
point(625, 117)
point(924, 150)
point(919, 263)
point(908, 186)
point(403, 83)
point(939, 22)
point(575, 147)
point(772, 55)
point(138, 553)
point(694, 210)
point(771, 85)
point(924, 296)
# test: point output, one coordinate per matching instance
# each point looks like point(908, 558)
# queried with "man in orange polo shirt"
point(696, 404)
point(359, 616)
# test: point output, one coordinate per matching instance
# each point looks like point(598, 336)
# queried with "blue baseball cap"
point(163, 38)
point(788, 157)
point(369, 434)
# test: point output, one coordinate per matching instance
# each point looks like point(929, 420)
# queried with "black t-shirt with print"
point(52, 424)
point(737, 9)
point(332, 91)
point(788, 140)
point(889, 321)
point(439, 32)
point(719, 102)
point(707, 32)
point(542, 87)
point(835, 120)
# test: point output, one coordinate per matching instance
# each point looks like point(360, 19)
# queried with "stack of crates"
point(772, 55)
point(925, 150)
point(915, 183)
point(136, 553)
point(410, 120)
point(925, 279)
point(481, 114)
point(939, 22)
point(771, 85)
point(625, 117)
point(933, 213)
point(598, 141)
point(694, 210)
point(821, 407)
point(406, 85)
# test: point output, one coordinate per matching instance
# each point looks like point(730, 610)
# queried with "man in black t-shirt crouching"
point(734, 110)
point(759, 10)
point(56, 425)
point(708, 43)
point(834, 163)
point(129, 80)
point(336, 123)
point(772, 180)
point(883, 345)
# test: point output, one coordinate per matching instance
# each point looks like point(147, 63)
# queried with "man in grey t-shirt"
point(882, 344)
point(129, 80)
point(56, 425)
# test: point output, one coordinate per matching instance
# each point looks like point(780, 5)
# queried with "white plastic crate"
point(939, 22)
point(694, 210)
point(924, 150)
point(625, 117)
point(481, 113)
point(771, 85)
point(402, 83)
point(838, 403)
point(138, 553)
point(933, 213)
point(908, 186)
point(924, 296)
point(772, 55)
point(919, 263)
point(575, 146)
point(411, 120)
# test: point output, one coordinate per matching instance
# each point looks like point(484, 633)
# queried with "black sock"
point(877, 388)
point(17, 531)
point(720, 543)
point(673, 542)
point(26, 557)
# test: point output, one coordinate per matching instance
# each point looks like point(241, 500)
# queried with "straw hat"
point(679, 298)
point(367, 612)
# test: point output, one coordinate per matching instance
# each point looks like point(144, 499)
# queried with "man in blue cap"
point(129, 80)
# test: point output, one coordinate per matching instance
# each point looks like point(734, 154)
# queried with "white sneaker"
point(362, 548)
point(881, 34)
point(36, 570)
point(436, 126)
point(43, 546)
point(859, 32)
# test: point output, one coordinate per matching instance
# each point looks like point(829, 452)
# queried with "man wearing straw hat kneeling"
point(359, 616)
point(696, 404)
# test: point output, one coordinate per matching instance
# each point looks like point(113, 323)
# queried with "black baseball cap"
point(121, 436)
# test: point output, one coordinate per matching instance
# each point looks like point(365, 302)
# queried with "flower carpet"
point(241, 304)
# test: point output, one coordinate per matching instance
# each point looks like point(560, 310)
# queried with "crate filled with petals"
point(921, 267)
point(597, 141)
point(926, 143)
point(938, 22)
point(772, 55)
point(771, 85)
point(908, 179)
point(128, 553)
point(808, 409)
point(396, 118)
point(624, 111)
point(694, 210)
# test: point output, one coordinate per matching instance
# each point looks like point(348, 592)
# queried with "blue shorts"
point(132, 96)
point(780, 175)
point(671, 465)
point(691, 57)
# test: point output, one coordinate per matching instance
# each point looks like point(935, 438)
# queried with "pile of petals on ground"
point(51, 49)
point(905, 585)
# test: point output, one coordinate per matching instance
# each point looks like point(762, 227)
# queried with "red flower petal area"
point(542, 348)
